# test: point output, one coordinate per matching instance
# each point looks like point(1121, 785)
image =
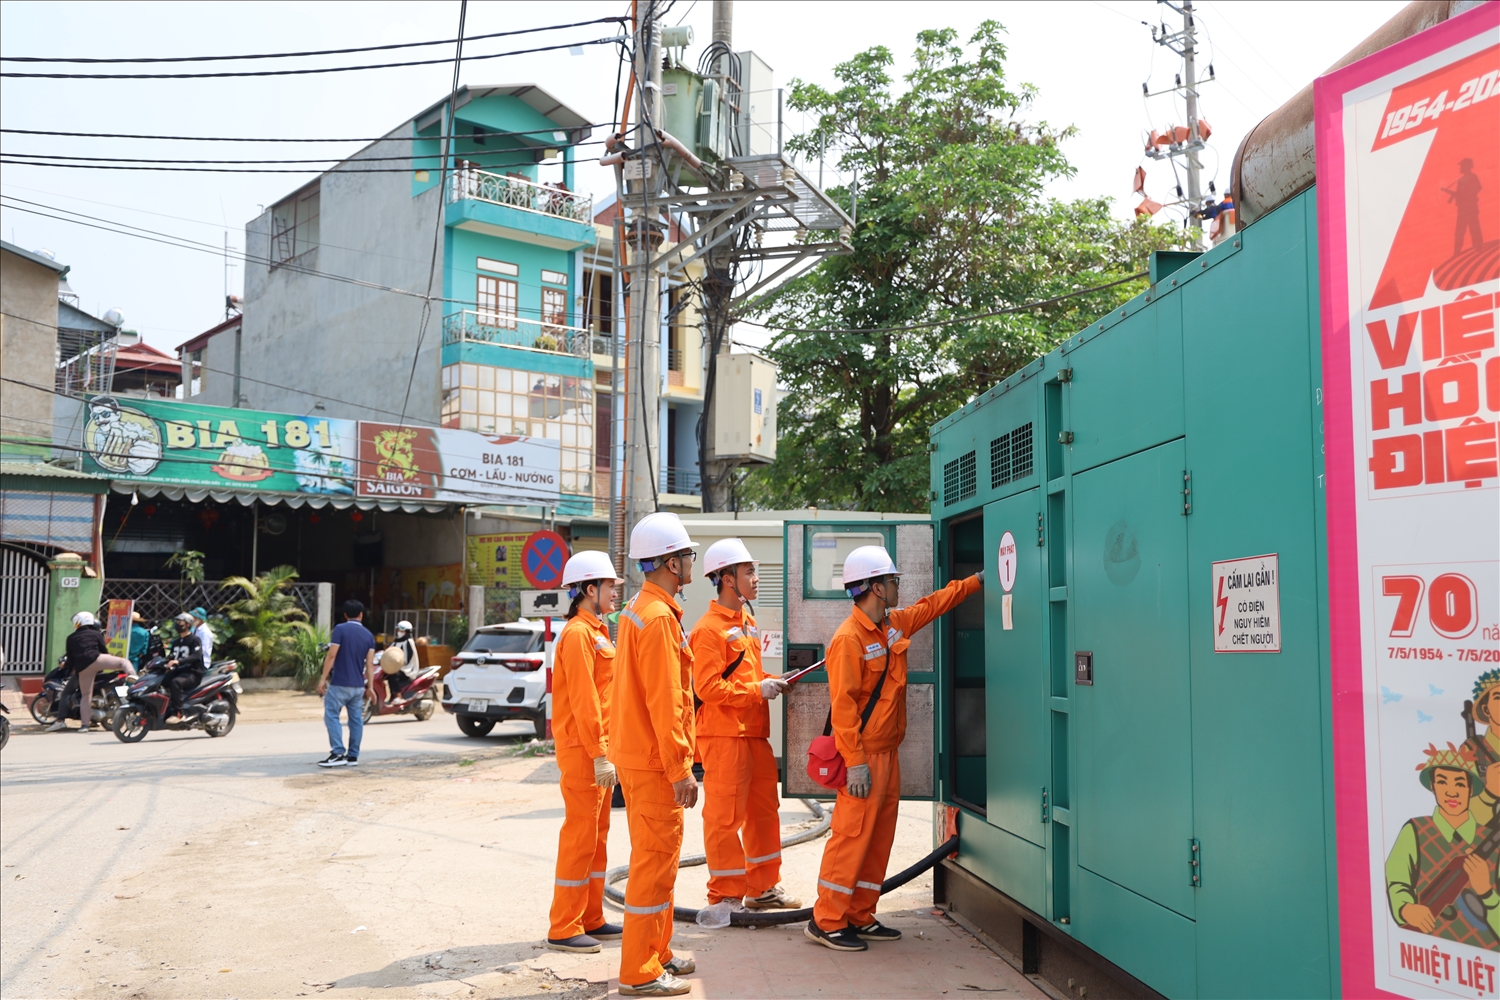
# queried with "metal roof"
point(35, 258)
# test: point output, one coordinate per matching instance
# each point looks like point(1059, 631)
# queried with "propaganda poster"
point(1408, 155)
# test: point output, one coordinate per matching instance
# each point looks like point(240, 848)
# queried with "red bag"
point(825, 764)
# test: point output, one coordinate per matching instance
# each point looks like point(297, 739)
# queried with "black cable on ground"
point(772, 918)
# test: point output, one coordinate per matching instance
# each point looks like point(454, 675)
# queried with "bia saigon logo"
point(121, 440)
point(395, 455)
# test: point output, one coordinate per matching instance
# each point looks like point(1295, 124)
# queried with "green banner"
point(170, 442)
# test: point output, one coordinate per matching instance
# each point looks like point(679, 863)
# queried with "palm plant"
point(189, 566)
point(266, 620)
point(310, 644)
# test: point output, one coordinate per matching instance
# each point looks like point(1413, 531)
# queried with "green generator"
point(1165, 805)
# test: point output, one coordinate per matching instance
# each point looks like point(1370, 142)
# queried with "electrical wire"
point(958, 319)
point(451, 110)
point(225, 138)
point(298, 55)
point(5, 160)
point(319, 159)
point(297, 72)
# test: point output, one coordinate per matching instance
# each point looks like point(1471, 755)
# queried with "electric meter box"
point(745, 408)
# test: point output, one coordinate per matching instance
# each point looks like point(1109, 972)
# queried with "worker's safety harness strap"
point(825, 765)
point(728, 671)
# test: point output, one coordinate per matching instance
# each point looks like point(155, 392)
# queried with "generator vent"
point(1010, 456)
point(960, 481)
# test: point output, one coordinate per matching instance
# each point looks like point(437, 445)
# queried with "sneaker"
point(351, 761)
point(58, 726)
point(876, 931)
point(680, 966)
point(607, 932)
point(843, 939)
point(774, 898)
point(333, 760)
point(666, 985)
point(91, 728)
point(578, 943)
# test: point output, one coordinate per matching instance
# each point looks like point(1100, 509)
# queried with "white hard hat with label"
point(865, 563)
point(724, 553)
point(84, 618)
point(403, 626)
point(588, 566)
point(657, 535)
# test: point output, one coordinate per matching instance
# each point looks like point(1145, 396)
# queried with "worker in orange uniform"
point(651, 743)
point(867, 667)
point(741, 812)
point(583, 667)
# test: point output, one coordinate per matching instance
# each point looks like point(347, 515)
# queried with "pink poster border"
point(1356, 930)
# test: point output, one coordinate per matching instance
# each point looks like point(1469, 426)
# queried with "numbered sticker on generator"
point(1247, 605)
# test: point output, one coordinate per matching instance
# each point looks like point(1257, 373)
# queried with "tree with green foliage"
point(953, 221)
point(266, 620)
point(189, 566)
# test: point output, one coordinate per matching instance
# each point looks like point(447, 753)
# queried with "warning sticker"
point(1247, 605)
point(1006, 561)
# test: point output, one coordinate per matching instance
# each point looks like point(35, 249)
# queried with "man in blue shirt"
point(347, 670)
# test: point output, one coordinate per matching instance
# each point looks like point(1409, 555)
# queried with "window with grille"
point(554, 307)
point(497, 302)
point(1011, 456)
point(535, 404)
point(294, 225)
point(959, 479)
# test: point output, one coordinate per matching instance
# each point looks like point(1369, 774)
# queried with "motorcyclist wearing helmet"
point(407, 646)
point(185, 666)
point(86, 656)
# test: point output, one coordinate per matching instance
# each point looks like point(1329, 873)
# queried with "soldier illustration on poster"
point(1486, 748)
point(1441, 874)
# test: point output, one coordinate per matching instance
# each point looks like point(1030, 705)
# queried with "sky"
point(1087, 60)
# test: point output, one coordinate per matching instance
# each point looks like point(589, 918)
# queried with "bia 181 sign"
point(168, 442)
point(1408, 154)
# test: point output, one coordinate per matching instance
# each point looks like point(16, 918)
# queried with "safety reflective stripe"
point(647, 910)
point(596, 874)
point(836, 888)
point(631, 615)
point(868, 885)
point(727, 871)
point(768, 857)
point(893, 634)
point(572, 883)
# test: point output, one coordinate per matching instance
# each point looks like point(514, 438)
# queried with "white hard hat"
point(403, 625)
point(659, 534)
point(84, 618)
point(866, 563)
point(724, 553)
point(588, 566)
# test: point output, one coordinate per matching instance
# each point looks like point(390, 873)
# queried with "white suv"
point(499, 676)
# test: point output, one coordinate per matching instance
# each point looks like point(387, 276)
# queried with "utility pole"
point(715, 472)
point(1190, 90)
point(642, 232)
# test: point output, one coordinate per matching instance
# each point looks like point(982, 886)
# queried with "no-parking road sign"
point(542, 559)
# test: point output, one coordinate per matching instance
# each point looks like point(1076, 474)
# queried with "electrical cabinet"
point(745, 408)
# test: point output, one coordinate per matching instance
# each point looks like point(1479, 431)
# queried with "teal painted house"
point(504, 351)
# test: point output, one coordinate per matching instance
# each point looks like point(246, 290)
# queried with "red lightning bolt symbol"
point(1223, 603)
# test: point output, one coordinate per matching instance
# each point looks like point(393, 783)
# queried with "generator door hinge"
point(931, 446)
point(1064, 437)
point(1187, 492)
point(1193, 864)
point(1065, 374)
point(1041, 539)
point(1044, 804)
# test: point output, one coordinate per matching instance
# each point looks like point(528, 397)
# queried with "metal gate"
point(23, 610)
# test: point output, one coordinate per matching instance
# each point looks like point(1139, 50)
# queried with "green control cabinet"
point(1118, 782)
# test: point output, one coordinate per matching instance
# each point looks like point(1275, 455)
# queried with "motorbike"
point(418, 698)
point(58, 699)
point(4, 726)
point(211, 706)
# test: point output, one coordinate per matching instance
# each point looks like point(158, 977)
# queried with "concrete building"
point(28, 350)
point(335, 308)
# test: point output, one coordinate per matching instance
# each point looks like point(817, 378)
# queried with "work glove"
point(771, 687)
point(604, 773)
point(858, 784)
point(980, 577)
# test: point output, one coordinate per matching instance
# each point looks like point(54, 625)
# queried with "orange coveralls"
point(651, 745)
point(739, 769)
point(583, 665)
point(854, 860)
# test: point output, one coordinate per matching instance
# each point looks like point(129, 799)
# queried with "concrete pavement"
point(185, 866)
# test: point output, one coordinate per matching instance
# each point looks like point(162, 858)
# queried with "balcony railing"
point(517, 192)
point(476, 327)
point(681, 481)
